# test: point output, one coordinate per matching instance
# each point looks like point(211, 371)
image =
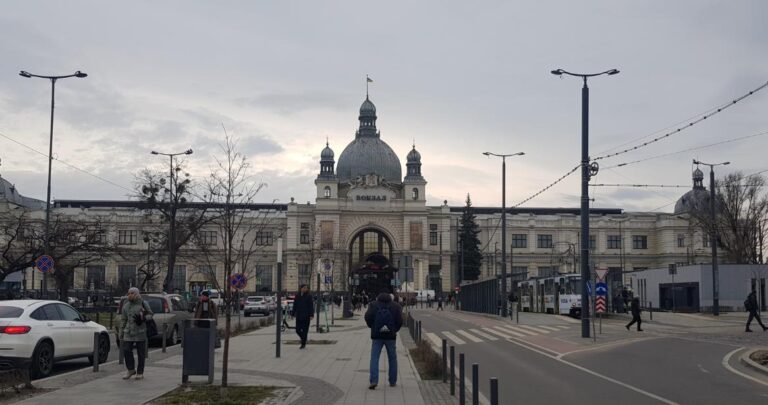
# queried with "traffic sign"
point(601, 289)
point(44, 263)
point(328, 279)
point(238, 281)
point(600, 304)
point(601, 274)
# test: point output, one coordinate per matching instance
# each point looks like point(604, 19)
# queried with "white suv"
point(36, 333)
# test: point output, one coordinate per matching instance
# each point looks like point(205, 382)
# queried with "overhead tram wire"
point(701, 118)
point(641, 185)
point(741, 138)
point(577, 167)
point(96, 176)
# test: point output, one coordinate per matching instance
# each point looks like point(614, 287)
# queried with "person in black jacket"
point(751, 306)
point(385, 318)
point(303, 311)
point(634, 307)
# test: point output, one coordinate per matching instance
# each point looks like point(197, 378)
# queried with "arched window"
point(415, 193)
point(370, 241)
point(327, 192)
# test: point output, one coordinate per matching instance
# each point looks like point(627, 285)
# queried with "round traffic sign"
point(238, 281)
point(44, 263)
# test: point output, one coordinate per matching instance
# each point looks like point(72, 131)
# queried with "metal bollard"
point(453, 371)
point(462, 387)
point(475, 387)
point(650, 308)
point(97, 317)
point(95, 352)
point(445, 361)
point(494, 391)
point(165, 334)
point(419, 332)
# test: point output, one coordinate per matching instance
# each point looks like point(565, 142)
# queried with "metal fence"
point(481, 296)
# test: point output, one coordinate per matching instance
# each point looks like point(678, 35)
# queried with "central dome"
point(368, 153)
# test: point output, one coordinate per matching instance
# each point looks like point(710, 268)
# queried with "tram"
point(559, 294)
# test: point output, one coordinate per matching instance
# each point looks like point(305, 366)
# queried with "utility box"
point(198, 349)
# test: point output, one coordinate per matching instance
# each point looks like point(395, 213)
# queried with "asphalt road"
point(546, 361)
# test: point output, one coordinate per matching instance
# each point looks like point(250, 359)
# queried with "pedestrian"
point(439, 303)
point(133, 332)
point(207, 309)
point(303, 311)
point(385, 318)
point(750, 304)
point(634, 307)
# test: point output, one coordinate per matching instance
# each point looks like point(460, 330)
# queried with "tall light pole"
point(587, 170)
point(713, 235)
point(53, 79)
point(503, 225)
point(172, 216)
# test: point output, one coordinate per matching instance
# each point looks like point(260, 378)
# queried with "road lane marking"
point(435, 339)
point(454, 338)
point(495, 332)
point(594, 373)
point(519, 332)
point(483, 334)
point(728, 367)
point(535, 329)
point(469, 336)
point(511, 331)
point(552, 328)
point(562, 327)
point(568, 319)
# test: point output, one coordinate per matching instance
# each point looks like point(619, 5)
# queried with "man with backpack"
point(385, 318)
point(750, 304)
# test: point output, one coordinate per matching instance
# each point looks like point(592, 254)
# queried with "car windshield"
point(10, 312)
point(155, 304)
point(255, 299)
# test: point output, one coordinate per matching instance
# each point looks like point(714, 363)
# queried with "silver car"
point(256, 305)
point(170, 310)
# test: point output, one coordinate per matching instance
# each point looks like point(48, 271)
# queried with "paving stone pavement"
point(321, 374)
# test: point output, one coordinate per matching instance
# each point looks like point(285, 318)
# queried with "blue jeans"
point(376, 346)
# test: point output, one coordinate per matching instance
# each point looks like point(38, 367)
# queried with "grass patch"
point(760, 357)
point(427, 361)
point(108, 319)
point(205, 395)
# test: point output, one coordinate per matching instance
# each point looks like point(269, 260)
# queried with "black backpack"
point(384, 322)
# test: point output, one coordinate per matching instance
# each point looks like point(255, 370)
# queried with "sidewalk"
point(322, 374)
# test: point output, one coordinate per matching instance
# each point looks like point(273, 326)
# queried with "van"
point(425, 295)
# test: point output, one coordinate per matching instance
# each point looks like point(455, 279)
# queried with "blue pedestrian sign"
point(601, 289)
point(589, 288)
point(328, 279)
point(44, 263)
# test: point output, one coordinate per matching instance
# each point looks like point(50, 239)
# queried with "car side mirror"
point(84, 318)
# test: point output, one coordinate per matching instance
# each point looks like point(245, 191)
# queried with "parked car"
point(74, 301)
point(35, 334)
point(272, 303)
point(256, 305)
point(168, 309)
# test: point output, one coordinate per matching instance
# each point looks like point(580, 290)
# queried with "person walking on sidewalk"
point(750, 304)
point(303, 311)
point(385, 318)
point(207, 309)
point(133, 332)
point(634, 307)
point(439, 303)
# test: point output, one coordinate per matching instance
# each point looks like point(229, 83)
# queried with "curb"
point(751, 363)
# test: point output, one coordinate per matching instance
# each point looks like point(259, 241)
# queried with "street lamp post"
point(172, 205)
point(53, 79)
point(713, 235)
point(503, 224)
point(587, 171)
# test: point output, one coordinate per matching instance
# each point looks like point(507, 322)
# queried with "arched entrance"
point(371, 256)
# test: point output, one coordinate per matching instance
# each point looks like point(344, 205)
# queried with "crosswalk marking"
point(435, 340)
point(495, 332)
point(569, 319)
point(519, 331)
point(535, 329)
point(552, 328)
point(453, 337)
point(483, 334)
point(561, 327)
point(469, 336)
point(509, 330)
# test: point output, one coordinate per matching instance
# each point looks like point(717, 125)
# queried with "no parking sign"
point(44, 263)
point(238, 281)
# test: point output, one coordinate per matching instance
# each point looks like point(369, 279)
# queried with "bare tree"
point(18, 246)
point(742, 208)
point(172, 199)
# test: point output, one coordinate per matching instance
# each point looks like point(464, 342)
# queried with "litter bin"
point(198, 348)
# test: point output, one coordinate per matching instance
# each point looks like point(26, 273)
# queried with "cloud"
point(289, 104)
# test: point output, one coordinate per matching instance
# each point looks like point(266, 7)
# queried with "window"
point(639, 242)
point(263, 277)
point(327, 192)
point(97, 237)
point(304, 233)
point(519, 240)
point(416, 239)
point(706, 241)
point(326, 234)
point(305, 275)
point(592, 242)
point(544, 242)
point(681, 240)
point(264, 238)
point(95, 277)
point(68, 313)
point(208, 238)
point(127, 237)
point(614, 242)
point(433, 234)
point(179, 281)
point(126, 276)
point(415, 193)
point(52, 313)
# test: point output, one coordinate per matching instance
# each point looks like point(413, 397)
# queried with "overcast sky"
point(458, 78)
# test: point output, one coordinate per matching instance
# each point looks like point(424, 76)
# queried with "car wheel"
point(103, 348)
point(42, 360)
point(171, 339)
